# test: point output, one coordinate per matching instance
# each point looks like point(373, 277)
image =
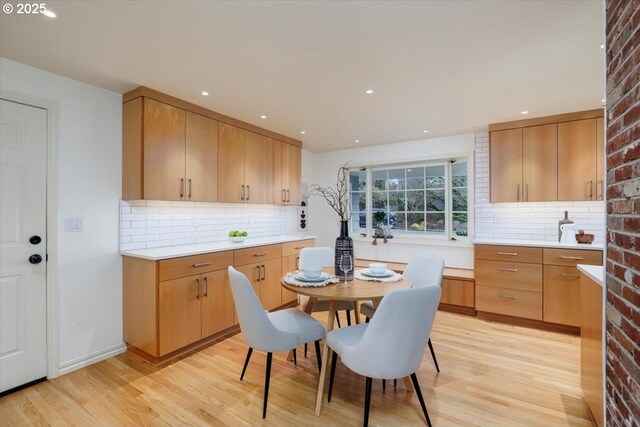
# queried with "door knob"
point(34, 240)
point(35, 259)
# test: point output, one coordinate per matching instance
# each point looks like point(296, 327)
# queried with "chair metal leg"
point(318, 355)
point(367, 401)
point(433, 355)
point(395, 383)
point(384, 385)
point(295, 359)
point(305, 350)
point(334, 362)
point(366, 320)
point(348, 317)
point(246, 363)
point(267, 377)
point(338, 320)
point(416, 386)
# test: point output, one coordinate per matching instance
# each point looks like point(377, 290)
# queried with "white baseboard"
point(82, 362)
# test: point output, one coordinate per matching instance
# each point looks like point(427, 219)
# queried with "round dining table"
point(359, 290)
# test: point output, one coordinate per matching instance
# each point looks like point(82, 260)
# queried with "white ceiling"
point(449, 67)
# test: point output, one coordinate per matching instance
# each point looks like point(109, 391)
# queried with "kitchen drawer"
point(511, 275)
point(257, 254)
point(294, 248)
point(188, 266)
point(510, 302)
point(561, 295)
point(572, 257)
point(509, 253)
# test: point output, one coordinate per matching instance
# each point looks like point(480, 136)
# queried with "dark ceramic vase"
point(344, 246)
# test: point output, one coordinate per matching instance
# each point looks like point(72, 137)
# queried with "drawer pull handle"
point(509, 270)
point(299, 247)
point(571, 257)
point(571, 276)
point(263, 254)
point(508, 253)
point(201, 264)
point(507, 296)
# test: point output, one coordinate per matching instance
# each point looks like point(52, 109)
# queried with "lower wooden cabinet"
point(592, 347)
point(510, 302)
point(217, 303)
point(289, 263)
point(179, 322)
point(561, 295)
point(458, 292)
point(265, 279)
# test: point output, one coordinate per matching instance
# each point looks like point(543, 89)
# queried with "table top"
point(359, 290)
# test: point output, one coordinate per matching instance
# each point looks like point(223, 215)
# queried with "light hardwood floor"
point(492, 375)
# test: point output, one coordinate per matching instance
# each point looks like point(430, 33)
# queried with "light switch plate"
point(73, 224)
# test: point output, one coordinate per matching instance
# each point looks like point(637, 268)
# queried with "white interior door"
point(23, 174)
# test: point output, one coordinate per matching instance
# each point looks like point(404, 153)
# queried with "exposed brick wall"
point(623, 208)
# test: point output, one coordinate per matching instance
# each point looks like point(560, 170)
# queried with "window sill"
point(467, 243)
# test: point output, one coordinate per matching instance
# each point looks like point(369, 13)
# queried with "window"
point(418, 200)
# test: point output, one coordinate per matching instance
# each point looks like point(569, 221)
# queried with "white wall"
point(321, 168)
point(89, 186)
point(529, 220)
point(154, 223)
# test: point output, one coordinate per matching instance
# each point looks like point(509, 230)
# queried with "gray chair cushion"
point(298, 323)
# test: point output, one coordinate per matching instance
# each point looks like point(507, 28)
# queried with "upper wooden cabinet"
point(506, 165)
point(175, 150)
point(556, 158)
point(577, 162)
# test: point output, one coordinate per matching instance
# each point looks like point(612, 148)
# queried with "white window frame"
point(447, 236)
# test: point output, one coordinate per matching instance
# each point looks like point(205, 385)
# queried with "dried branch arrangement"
point(337, 198)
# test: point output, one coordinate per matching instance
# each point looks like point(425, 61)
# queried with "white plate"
point(369, 273)
point(300, 276)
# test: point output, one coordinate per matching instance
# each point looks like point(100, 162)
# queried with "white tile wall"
point(152, 224)
point(531, 220)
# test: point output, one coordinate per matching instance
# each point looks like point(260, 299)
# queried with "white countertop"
point(594, 272)
point(539, 244)
point(167, 252)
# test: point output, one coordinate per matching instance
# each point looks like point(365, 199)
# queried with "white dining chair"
point(281, 330)
point(321, 257)
point(424, 270)
point(392, 344)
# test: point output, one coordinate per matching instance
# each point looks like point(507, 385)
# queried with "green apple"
point(245, 234)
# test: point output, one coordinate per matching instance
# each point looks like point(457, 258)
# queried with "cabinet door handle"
point(288, 196)
point(526, 186)
point(299, 247)
point(284, 195)
point(259, 273)
point(508, 253)
point(198, 280)
point(571, 257)
point(518, 193)
point(262, 254)
point(201, 264)
point(206, 286)
point(242, 193)
point(571, 276)
point(591, 189)
point(507, 296)
point(509, 270)
point(297, 263)
point(189, 188)
point(601, 185)
point(181, 188)
point(248, 192)
point(264, 272)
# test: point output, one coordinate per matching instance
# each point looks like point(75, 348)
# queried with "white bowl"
point(237, 239)
point(377, 267)
point(312, 272)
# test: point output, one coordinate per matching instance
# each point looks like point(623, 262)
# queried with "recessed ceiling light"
point(357, 140)
point(204, 93)
point(303, 132)
point(602, 46)
point(425, 131)
point(49, 14)
point(263, 116)
point(369, 91)
point(524, 112)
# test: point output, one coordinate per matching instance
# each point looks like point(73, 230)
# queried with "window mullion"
point(448, 204)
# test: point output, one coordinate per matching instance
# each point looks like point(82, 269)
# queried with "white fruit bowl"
point(237, 239)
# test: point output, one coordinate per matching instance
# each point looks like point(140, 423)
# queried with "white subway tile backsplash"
point(157, 223)
point(527, 221)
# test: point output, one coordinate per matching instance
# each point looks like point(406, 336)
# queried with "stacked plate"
point(378, 275)
point(301, 277)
